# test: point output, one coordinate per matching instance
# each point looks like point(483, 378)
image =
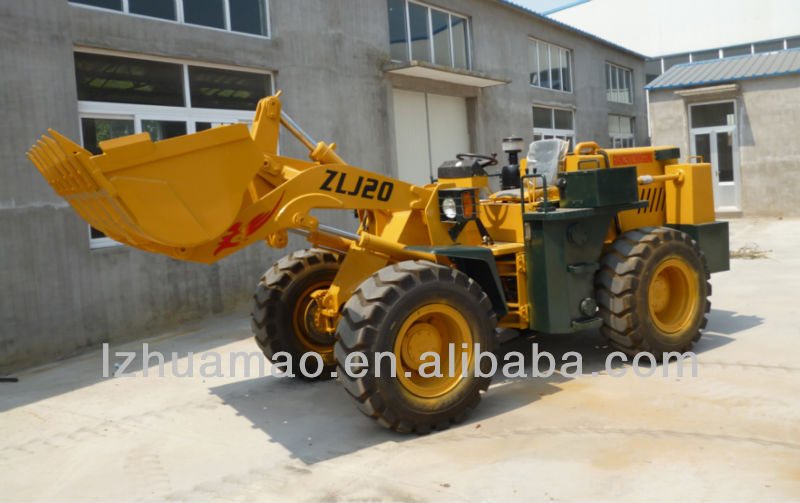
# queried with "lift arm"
point(203, 196)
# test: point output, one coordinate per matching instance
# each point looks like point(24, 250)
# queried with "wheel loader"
point(620, 240)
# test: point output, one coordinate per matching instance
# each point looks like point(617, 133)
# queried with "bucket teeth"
point(69, 169)
point(158, 196)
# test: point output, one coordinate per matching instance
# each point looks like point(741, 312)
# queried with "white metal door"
point(720, 147)
point(714, 137)
point(411, 137)
point(447, 128)
point(429, 129)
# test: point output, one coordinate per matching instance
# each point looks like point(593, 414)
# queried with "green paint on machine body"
point(596, 188)
point(712, 238)
point(478, 263)
point(563, 247)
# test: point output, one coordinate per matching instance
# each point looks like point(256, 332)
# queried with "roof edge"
point(655, 85)
point(752, 42)
point(719, 81)
point(564, 7)
point(565, 26)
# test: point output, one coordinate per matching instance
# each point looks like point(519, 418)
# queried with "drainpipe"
point(649, 126)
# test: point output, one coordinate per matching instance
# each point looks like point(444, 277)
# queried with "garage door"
point(429, 129)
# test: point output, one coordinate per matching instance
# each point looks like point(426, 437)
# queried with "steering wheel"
point(483, 159)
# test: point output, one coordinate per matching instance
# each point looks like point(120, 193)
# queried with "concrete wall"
point(60, 297)
point(500, 46)
point(769, 151)
point(769, 154)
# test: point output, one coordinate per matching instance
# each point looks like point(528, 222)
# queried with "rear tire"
point(652, 290)
point(407, 309)
point(284, 314)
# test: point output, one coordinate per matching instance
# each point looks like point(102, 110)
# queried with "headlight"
point(458, 205)
point(449, 208)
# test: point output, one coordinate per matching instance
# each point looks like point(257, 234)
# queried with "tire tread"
point(366, 309)
point(616, 283)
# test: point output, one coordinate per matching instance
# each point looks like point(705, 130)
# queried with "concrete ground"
point(730, 434)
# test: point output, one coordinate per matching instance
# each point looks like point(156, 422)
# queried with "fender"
point(479, 264)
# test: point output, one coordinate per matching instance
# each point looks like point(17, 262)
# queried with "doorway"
point(714, 137)
point(429, 129)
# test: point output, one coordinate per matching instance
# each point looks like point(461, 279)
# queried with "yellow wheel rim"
point(310, 327)
point(435, 328)
point(672, 295)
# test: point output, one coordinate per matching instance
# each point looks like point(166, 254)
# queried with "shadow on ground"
point(78, 372)
point(292, 411)
point(730, 322)
point(319, 421)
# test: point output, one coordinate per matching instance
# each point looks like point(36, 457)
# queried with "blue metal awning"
point(729, 69)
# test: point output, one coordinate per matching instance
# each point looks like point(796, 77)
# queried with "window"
point(739, 50)
point(652, 69)
point(550, 66)
point(553, 123)
point(775, 45)
point(96, 130)
point(675, 60)
point(217, 88)
point(715, 114)
point(153, 8)
point(705, 55)
point(419, 32)
point(619, 84)
point(620, 131)
point(126, 80)
point(104, 4)
point(121, 95)
point(243, 16)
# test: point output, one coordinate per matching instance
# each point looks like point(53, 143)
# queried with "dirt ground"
point(730, 434)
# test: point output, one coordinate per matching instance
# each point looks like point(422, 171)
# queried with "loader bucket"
point(179, 192)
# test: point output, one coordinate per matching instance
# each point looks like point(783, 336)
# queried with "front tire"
point(408, 309)
point(652, 289)
point(285, 317)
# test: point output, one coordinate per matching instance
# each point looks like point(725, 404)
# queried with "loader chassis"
point(623, 240)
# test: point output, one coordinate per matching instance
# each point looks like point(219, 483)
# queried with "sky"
point(542, 6)
point(658, 27)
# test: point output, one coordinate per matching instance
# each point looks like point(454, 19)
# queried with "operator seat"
point(544, 157)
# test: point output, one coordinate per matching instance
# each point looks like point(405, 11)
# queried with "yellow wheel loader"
point(623, 240)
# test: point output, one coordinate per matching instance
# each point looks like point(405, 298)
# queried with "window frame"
point(547, 133)
point(179, 18)
point(619, 71)
point(627, 140)
point(706, 129)
point(431, 47)
point(138, 113)
point(570, 66)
